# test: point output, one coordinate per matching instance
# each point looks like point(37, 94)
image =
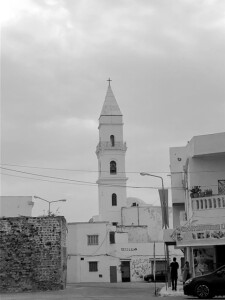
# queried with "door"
point(125, 270)
point(113, 274)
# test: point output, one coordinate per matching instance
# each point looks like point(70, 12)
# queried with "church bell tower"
point(111, 151)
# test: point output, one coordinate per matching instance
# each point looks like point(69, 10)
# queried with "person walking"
point(174, 266)
point(186, 272)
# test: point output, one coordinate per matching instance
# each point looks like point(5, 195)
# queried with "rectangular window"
point(112, 237)
point(92, 239)
point(93, 266)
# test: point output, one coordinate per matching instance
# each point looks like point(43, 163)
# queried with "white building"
point(15, 206)
point(116, 245)
point(198, 198)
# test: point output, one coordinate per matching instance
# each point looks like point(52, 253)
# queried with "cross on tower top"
point(109, 80)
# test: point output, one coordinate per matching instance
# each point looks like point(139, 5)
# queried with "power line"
point(74, 170)
point(53, 181)
point(75, 181)
point(80, 182)
point(95, 171)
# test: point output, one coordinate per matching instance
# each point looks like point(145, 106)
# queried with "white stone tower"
point(111, 152)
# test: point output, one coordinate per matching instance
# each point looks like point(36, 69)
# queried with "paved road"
point(94, 291)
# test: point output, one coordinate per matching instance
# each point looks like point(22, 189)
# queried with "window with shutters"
point(114, 199)
point(93, 266)
point(92, 239)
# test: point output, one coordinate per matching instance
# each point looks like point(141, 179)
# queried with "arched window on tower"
point(112, 140)
point(114, 199)
point(112, 167)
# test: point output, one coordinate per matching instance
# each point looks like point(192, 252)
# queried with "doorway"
point(113, 274)
point(125, 271)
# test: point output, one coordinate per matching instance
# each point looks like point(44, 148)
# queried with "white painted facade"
point(200, 217)
point(139, 255)
point(147, 215)
point(134, 229)
point(111, 149)
point(15, 206)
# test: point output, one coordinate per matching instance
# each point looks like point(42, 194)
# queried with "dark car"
point(159, 276)
point(206, 286)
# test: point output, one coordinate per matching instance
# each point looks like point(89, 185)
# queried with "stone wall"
point(32, 253)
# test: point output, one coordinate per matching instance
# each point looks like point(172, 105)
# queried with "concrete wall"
point(80, 253)
point(33, 254)
point(15, 206)
point(148, 215)
point(210, 144)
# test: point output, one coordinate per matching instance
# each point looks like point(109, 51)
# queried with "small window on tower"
point(112, 167)
point(112, 140)
point(114, 200)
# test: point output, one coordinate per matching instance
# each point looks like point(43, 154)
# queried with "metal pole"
point(154, 269)
point(165, 219)
point(49, 203)
point(166, 265)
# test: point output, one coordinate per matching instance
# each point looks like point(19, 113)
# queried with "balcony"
point(208, 203)
point(108, 146)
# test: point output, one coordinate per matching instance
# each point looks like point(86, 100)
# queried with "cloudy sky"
point(167, 64)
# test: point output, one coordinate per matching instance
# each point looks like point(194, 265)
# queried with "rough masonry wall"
point(32, 253)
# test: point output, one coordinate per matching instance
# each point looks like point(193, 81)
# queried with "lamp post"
point(49, 202)
point(147, 174)
point(163, 200)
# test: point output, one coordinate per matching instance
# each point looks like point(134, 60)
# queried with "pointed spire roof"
point(110, 106)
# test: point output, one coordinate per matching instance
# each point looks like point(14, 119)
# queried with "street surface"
point(96, 291)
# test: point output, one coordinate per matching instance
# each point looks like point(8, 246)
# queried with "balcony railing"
point(206, 203)
point(109, 146)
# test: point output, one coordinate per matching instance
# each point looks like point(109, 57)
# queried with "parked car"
point(159, 276)
point(206, 286)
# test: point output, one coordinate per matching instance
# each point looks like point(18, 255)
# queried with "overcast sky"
point(167, 64)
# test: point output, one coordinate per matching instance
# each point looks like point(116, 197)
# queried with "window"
point(114, 223)
point(93, 266)
point(92, 239)
point(112, 167)
point(114, 200)
point(112, 237)
point(112, 140)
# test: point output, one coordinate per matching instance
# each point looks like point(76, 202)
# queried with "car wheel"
point(202, 291)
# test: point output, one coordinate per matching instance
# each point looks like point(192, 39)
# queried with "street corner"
point(167, 291)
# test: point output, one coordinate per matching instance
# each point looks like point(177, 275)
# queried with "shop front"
point(204, 246)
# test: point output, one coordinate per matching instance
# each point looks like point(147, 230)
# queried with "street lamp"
point(165, 219)
point(163, 200)
point(49, 202)
point(147, 174)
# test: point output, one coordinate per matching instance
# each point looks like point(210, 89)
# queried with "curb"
point(168, 292)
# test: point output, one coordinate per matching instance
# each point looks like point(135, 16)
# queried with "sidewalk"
point(168, 292)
